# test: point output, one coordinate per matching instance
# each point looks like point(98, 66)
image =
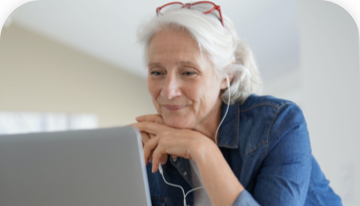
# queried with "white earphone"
point(227, 109)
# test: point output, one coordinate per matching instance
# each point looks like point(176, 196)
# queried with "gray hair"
point(228, 53)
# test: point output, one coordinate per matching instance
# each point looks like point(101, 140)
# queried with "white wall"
point(271, 29)
point(38, 74)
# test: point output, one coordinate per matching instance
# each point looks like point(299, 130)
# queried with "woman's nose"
point(171, 88)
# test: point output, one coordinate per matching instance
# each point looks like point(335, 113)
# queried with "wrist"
point(200, 147)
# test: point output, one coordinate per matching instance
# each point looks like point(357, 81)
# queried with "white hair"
point(228, 53)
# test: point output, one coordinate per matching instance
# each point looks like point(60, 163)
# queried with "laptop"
point(74, 168)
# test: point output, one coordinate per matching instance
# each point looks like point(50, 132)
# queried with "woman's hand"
point(214, 171)
point(146, 136)
point(160, 140)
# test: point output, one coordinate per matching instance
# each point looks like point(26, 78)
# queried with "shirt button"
point(185, 173)
point(174, 159)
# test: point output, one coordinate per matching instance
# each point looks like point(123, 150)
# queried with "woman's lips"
point(174, 107)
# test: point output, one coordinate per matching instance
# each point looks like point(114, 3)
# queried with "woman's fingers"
point(144, 137)
point(150, 145)
point(148, 148)
point(163, 159)
point(150, 127)
point(161, 140)
point(154, 118)
point(157, 154)
point(150, 118)
point(174, 156)
point(150, 157)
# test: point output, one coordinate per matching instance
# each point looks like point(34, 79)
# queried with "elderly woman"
point(212, 136)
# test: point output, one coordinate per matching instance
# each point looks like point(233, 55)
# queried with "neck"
point(211, 122)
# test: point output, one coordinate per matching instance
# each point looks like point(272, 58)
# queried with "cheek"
point(152, 88)
point(154, 91)
point(206, 95)
point(198, 94)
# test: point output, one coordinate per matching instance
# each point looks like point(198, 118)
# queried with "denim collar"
point(229, 130)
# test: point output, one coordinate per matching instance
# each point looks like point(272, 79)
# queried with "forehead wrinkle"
point(185, 63)
point(174, 36)
point(179, 63)
point(189, 53)
point(181, 58)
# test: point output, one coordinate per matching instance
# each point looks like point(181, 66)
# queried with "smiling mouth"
point(174, 107)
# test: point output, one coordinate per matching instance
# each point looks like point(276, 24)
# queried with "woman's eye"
point(156, 73)
point(189, 73)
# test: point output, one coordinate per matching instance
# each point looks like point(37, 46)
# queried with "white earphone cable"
point(174, 185)
point(227, 109)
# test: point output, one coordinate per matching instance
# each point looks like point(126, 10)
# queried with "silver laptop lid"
point(74, 168)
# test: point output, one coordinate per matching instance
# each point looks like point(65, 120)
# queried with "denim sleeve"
point(245, 199)
point(285, 172)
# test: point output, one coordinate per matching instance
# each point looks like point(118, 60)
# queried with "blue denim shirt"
point(266, 143)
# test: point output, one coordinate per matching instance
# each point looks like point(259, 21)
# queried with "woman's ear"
point(224, 84)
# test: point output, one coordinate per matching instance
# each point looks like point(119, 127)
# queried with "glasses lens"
point(205, 7)
point(170, 7)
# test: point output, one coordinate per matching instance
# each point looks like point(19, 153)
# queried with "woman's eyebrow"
point(152, 64)
point(186, 63)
